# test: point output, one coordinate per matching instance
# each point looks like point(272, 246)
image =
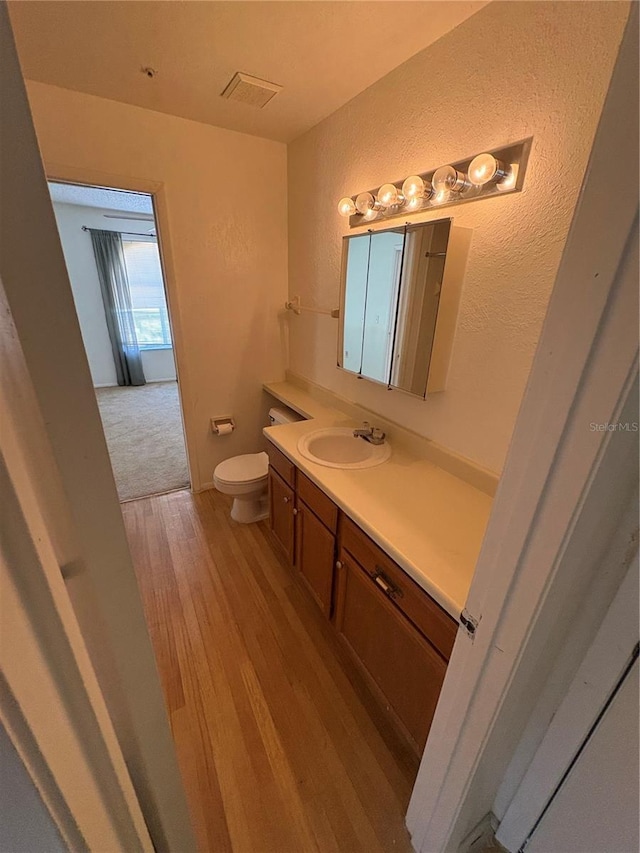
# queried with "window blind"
point(148, 300)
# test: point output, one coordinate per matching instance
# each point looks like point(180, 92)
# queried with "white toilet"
point(245, 477)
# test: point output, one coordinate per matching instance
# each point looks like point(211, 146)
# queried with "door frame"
point(522, 579)
point(65, 174)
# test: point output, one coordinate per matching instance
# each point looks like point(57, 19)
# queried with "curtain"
point(116, 296)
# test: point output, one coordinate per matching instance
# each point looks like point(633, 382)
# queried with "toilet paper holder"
point(223, 425)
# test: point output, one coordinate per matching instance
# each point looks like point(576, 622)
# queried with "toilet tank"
point(283, 415)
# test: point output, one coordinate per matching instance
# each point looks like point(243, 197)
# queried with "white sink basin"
point(336, 447)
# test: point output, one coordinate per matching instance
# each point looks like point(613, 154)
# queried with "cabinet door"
point(406, 670)
point(281, 502)
point(315, 555)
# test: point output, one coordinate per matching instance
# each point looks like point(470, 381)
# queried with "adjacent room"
point(110, 245)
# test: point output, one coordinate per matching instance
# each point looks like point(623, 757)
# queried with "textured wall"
point(513, 70)
point(227, 240)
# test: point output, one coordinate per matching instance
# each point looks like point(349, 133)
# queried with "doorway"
point(110, 242)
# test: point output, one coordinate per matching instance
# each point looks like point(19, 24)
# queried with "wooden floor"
point(273, 730)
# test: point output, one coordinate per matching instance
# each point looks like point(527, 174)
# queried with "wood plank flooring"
point(273, 727)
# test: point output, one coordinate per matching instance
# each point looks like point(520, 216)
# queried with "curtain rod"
point(128, 233)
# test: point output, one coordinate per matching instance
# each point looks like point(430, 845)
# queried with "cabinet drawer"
point(281, 464)
point(417, 605)
point(316, 500)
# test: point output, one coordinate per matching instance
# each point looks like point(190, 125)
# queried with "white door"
point(595, 810)
point(580, 793)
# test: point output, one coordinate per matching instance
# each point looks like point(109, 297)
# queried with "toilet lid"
point(243, 469)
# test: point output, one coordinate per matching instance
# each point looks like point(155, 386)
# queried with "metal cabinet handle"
point(295, 510)
point(286, 500)
point(338, 564)
point(389, 589)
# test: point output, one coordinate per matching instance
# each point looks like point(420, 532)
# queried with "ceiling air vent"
point(250, 90)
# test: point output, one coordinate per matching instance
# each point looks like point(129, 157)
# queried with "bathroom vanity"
point(396, 633)
point(387, 553)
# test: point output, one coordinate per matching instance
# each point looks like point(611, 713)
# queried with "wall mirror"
point(390, 297)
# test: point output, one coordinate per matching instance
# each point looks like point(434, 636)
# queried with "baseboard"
point(148, 382)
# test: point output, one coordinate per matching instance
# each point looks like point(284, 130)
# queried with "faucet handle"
point(378, 434)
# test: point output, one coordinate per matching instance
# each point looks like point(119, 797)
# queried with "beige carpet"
point(144, 435)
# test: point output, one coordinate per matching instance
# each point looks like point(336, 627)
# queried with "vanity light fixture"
point(449, 179)
point(389, 196)
point(441, 196)
point(499, 171)
point(485, 168)
point(415, 187)
point(510, 181)
point(366, 203)
point(346, 206)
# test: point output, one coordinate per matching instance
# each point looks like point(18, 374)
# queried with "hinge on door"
point(469, 623)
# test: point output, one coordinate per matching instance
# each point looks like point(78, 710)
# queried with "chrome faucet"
point(370, 433)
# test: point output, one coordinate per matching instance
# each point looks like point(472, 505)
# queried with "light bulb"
point(485, 168)
point(509, 182)
point(441, 196)
point(389, 195)
point(448, 178)
point(365, 202)
point(346, 207)
point(415, 187)
point(413, 203)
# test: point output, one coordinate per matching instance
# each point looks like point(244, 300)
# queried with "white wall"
point(158, 365)
point(222, 218)
point(510, 71)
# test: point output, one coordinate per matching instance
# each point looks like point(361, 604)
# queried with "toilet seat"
point(242, 470)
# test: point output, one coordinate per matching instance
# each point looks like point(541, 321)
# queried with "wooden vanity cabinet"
point(416, 604)
point(282, 484)
point(281, 513)
point(279, 463)
point(316, 526)
point(403, 668)
point(303, 521)
point(398, 635)
point(315, 556)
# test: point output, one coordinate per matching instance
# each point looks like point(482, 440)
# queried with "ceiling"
point(120, 200)
point(321, 53)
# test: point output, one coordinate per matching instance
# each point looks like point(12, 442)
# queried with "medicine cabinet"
point(400, 292)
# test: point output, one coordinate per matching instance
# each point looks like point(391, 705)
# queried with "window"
point(147, 292)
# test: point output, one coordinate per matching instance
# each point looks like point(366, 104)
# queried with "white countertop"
point(428, 520)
